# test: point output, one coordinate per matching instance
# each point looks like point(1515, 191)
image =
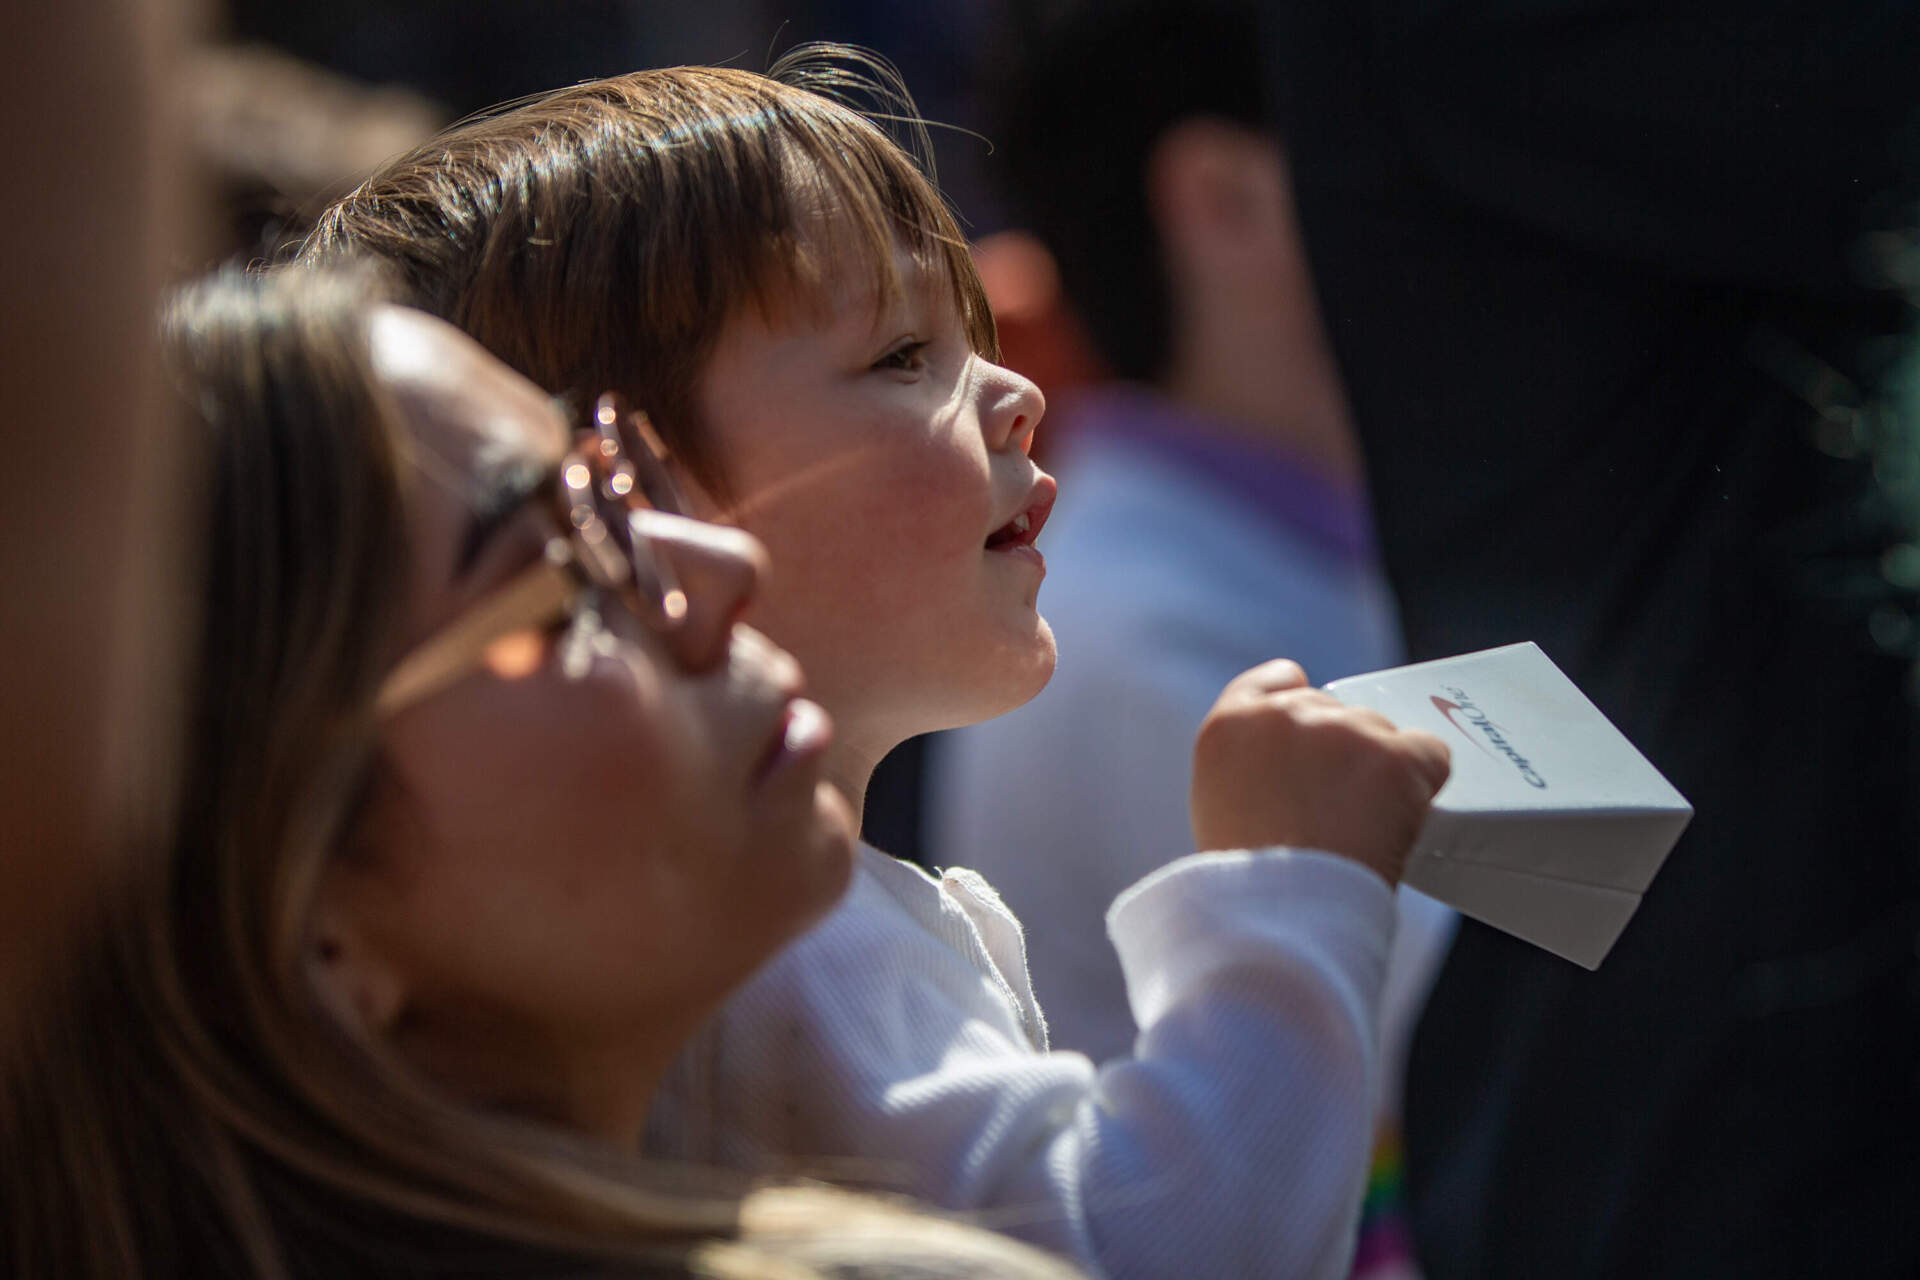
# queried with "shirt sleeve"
point(1232, 1142)
point(1060, 843)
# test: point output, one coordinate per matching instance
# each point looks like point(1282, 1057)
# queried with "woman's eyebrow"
point(499, 495)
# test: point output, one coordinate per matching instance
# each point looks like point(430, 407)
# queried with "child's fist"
point(1278, 762)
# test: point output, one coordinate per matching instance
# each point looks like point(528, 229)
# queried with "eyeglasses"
point(613, 471)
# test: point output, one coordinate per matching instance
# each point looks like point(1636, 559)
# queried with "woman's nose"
point(1014, 408)
point(718, 569)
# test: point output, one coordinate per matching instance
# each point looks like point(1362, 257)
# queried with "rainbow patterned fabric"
point(1385, 1251)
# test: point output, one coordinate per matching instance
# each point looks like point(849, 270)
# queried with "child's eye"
point(909, 356)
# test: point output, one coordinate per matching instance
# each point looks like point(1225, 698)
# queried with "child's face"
point(884, 466)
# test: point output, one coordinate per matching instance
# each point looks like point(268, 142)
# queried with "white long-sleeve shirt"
point(899, 1044)
point(1179, 555)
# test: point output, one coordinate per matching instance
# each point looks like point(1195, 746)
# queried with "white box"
point(1552, 825)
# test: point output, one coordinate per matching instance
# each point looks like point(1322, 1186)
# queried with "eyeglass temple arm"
point(538, 594)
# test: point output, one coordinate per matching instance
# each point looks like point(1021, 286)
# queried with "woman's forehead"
point(461, 405)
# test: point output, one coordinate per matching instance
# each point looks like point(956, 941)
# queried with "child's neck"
point(851, 762)
point(853, 787)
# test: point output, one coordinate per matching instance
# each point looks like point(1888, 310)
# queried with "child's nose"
point(1014, 408)
point(719, 569)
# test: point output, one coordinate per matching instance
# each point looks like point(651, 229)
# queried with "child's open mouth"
point(1026, 525)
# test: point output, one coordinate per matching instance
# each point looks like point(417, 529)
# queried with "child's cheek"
point(943, 495)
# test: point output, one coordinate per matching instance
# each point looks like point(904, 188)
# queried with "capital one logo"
point(1473, 724)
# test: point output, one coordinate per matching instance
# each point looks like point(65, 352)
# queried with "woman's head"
point(783, 290)
point(574, 846)
point(566, 859)
point(409, 953)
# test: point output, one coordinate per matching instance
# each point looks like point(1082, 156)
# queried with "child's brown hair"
point(599, 237)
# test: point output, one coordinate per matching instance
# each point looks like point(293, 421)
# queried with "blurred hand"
point(1279, 762)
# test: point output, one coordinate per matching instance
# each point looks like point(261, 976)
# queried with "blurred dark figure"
point(1600, 279)
point(90, 566)
point(279, 138)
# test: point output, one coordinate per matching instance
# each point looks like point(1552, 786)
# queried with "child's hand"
point(1278, 762)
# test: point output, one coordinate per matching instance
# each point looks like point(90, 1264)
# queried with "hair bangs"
point(851, 199)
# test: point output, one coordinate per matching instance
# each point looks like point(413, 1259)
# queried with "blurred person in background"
point(488, 801)
point(1213, 509)
point(1601, 281)
point(90, 570)
point(278, 138)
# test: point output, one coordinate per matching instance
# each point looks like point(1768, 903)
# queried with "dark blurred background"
point(454, 59)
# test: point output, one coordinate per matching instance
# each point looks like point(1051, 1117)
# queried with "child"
point(782, 290)
point(1168, 206)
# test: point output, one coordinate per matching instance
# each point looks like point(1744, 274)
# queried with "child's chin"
point(994, 683)
point(1027, 673)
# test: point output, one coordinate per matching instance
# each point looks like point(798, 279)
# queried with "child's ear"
point(1220, 202)
point(363, 987)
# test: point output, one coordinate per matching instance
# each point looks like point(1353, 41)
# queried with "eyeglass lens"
point(628, 476)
